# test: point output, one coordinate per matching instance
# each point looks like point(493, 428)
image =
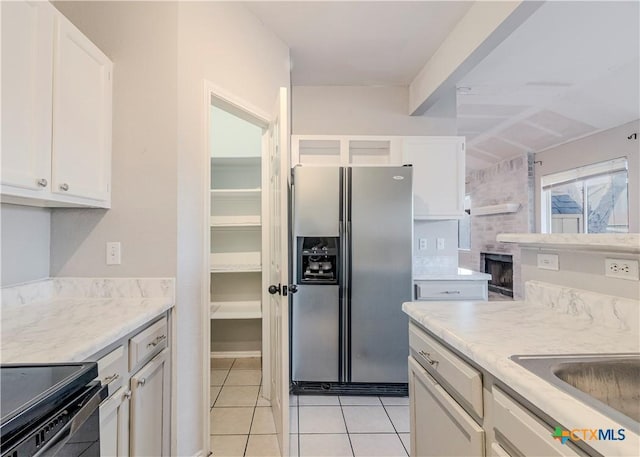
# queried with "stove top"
point(30, 392)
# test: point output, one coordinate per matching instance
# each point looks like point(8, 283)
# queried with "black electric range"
point(48, 409)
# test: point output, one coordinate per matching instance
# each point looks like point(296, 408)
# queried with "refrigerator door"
point(314, 334)
point(316, 201)
point(380, 229)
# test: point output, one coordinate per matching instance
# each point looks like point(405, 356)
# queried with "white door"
point(279, 173)
point(81, 116)
point(27, 75)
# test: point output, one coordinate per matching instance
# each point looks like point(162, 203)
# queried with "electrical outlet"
point(113, 253)
point(548, 262)
point(440, 244)
point(422, 244)
point(621, 268)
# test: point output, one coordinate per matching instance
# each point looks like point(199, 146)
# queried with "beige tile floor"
point(324, 426)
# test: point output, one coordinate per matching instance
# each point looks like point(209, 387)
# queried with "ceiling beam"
point(481, 30)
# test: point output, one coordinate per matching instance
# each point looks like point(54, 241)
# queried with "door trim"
point(250, 113)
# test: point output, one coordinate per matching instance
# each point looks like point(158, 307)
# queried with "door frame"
point(249, 112)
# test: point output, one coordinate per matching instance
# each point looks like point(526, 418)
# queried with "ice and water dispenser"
point(317, 260)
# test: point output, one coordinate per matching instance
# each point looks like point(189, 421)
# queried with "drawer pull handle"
point(428, 358)
point(450, 292)
point(110, 379)
point(157, 341)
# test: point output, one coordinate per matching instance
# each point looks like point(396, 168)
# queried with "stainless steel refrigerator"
point(353, 232)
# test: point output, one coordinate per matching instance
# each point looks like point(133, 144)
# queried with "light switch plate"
point(440, 243)
point(422, 244)
point(113, 253)
point(548, 262)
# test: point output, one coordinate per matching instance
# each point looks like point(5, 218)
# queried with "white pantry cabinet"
point(438, 175)
point(56, 110)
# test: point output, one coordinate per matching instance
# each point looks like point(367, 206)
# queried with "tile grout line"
point(345, 427)
point(394, 427)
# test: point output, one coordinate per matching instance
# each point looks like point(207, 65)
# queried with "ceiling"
point(570, 70)
point(361, 42)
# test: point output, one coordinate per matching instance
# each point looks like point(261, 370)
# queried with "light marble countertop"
point(488, 333)
point(613, 242)
point(71, 329)
point(462, 275)
point(70, 319)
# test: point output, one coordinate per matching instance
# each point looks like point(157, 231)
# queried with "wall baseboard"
point(235, 354)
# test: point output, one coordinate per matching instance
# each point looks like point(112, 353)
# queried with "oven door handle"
point(79, 418)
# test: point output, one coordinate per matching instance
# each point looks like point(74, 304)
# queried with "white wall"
point(609, 144)
point(432, 260)
point(232, 136)
point(24, 244)
point(225, 44)
point(162, 53)
point(141, 39)
point(360, 110)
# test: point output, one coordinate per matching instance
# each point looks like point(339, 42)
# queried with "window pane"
point(607, 203)
point(567, 208)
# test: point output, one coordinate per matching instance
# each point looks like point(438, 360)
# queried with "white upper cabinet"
point(438, 176)
point(56, 110)
point(81, 116)
point(27, 67)
point(349, 150)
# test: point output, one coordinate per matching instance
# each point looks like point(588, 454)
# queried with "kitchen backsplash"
point(88, 288)
point(607, 310)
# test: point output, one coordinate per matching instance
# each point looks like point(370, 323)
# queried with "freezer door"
point(314, 334)
point(316, 201)
point(380, 232)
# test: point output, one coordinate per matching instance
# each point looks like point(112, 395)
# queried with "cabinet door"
point(27, 70)
point(81, 115)
point(439, 426)
point(114, 424)
point(150, 408)
point(438, 176)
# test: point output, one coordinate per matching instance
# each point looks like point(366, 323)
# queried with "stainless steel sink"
point(608, 382)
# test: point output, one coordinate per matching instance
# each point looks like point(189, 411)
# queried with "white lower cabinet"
point(439, 425)
point(150, 408)
point(114, 424)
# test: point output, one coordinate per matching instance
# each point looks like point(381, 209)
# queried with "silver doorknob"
point(43, 182)
point(64, 186)
point(142, 381)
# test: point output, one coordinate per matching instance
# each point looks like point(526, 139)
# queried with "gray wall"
point(609, 144)
point(141, 39)
point(433, 260)
point(360, 110)
point(582, 270)
point(25, 241)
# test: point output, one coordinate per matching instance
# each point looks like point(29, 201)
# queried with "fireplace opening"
point(500, 267)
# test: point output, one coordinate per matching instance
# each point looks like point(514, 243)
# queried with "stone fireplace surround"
point(509, 181)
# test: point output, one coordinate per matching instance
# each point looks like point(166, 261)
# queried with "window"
point(464, 226)
point(590, 199)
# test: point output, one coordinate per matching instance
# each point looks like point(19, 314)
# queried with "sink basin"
point(608, 382)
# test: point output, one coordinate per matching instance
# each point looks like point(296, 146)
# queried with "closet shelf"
point(235, 221)
point(236, 310)
point(236, 193)
point(235, 262)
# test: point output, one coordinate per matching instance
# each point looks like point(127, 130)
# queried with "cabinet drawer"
point(446, 366)
point(112, 368)
point(147, 343)
point(451, 290)
point(439, 425)
point(522, 430)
